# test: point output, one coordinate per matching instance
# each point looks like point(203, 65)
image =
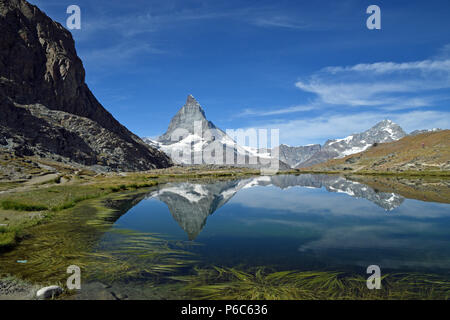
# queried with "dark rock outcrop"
point(294, 156)
point(46, 106)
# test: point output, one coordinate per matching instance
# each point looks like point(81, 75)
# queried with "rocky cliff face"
point(46, 107)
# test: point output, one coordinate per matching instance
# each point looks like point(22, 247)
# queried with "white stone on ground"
point(49, 292)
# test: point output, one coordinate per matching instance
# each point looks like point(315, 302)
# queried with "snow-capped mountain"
point(192, 139)
point(183, 124)
point(384, 131)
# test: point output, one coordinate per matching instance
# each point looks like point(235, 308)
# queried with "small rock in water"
point(49, 292)
point(119, 296)
point(122, 296)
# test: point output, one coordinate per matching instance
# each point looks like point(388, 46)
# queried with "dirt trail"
point(41, 179)
point(37, 181)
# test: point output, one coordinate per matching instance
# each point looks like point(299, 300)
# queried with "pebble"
point(49, 292)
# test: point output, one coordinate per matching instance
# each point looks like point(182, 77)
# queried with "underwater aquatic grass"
point(12, 234)
point(232, 284)
point(129, 255)
point(74, 237)
point(7, 239)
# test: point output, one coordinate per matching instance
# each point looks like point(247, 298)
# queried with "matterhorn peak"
point(191, 100)
point(192, 107)
point(186, 118)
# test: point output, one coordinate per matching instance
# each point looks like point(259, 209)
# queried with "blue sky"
point(310, 68)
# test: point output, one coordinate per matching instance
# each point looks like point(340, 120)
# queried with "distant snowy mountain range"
point(189, 130)
point(384, 131)
point(416, 132)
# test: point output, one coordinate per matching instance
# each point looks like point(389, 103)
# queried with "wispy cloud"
point(150, 21)
point(123, 52)
point(276, 111)
point(388, 85)
point(391, 67)
point(130, 28)
point(380, 86)
point(412, 94)
point(443, 53)
point(142, 23)
point(279, 22)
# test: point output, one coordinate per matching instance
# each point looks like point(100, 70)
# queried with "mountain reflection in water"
point(303, 222)
point(191, 203)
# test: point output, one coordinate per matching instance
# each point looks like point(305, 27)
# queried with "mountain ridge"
point(383, 131)
point(182, 134)
point(49, 110)
point(427, 151)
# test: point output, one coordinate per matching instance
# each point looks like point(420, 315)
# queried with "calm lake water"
point(317, 223)
point(306, 222)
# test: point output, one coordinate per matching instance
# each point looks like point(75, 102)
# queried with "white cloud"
point(389, 85)
point(382, 86)
point(389, 67)
point(403, 92)
point(354, 94)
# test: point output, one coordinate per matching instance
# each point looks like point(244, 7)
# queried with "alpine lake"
point(307, 236)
